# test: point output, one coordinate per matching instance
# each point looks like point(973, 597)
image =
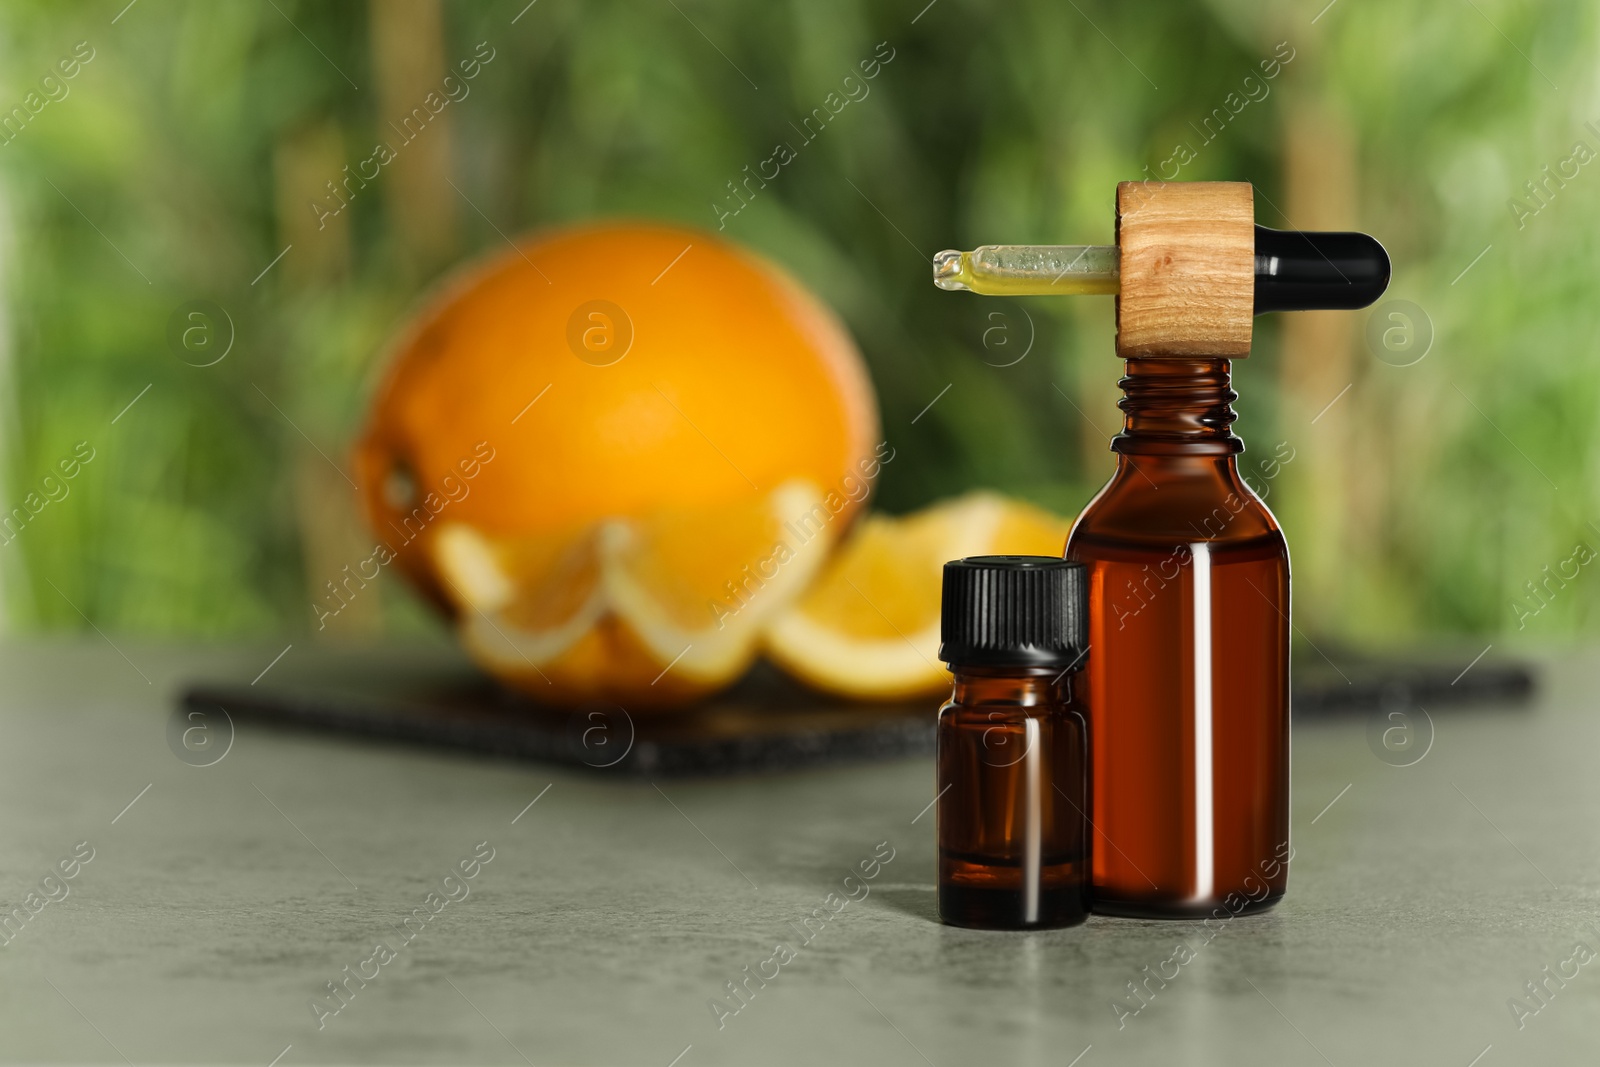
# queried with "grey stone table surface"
point(219, 902)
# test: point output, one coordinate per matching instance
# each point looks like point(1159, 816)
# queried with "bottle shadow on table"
point(917, 901)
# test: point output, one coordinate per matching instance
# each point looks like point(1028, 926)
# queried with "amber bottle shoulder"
point(1162, 500)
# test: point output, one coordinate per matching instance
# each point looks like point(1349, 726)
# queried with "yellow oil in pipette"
point(1030, 270)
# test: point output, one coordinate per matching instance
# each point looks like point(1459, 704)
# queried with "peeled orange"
point(868, 628)
point(576, 431)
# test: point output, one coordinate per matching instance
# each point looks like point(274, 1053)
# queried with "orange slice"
point(653, 611)
point(869, 628)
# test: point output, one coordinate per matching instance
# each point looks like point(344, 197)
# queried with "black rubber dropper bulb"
point(1297, 271)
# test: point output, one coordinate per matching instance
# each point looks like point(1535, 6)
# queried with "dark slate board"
point(1350, 683)
point(765, 723)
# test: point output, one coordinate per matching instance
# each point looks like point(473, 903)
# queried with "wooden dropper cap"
point(1186, 257)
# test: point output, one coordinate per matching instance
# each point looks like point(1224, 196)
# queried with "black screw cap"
point(1014, 611)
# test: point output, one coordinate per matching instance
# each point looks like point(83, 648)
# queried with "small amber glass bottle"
point(1013, 758)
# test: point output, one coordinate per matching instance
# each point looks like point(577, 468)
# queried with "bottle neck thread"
point(1012, 685)
point(1177, 406)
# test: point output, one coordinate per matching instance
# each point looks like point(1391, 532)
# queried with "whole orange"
point(607, 370)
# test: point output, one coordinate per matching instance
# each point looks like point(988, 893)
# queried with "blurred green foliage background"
point(182, 158)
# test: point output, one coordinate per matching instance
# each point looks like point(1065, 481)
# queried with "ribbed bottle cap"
point(1014, 611)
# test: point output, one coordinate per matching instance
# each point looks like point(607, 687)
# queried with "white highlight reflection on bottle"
point(1033, 816)
point(1204, 817)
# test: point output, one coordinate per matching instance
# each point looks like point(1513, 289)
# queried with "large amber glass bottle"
point(1187, 680)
